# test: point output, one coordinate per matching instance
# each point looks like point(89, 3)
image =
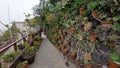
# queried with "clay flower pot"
point(60, 43)
point(62, 37)
point(59, 48)
point(106, 23)
point(68, 42)
point(58, 37)
point(72, 56)
point(88, 66)
point(95, 14)
point(113, 65)
point(81, 10)
point(65, 51)
point(72, 30)
point(26, 65)
point(63, 47)
point(92, 38)
point(64, 32)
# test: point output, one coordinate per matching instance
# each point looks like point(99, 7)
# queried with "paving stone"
point(48, 57)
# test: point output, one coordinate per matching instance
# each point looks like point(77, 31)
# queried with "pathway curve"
point(48, 57)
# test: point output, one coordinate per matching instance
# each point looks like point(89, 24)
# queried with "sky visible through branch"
point(16, 10)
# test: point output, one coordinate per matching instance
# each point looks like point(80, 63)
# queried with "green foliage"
point(6, 35)
point(36, 43)
point(29, 51)
point(92, 5)
point(10, 57)
point(113, 37)
point(21, 46)
point(21, 64)
point(114, 56)
point(55, 8)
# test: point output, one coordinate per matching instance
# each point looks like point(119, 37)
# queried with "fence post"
point(15, 47)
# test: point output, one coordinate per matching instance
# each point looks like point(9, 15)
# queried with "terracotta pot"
point(81, 10)
point(113, 65)
point(59, 48)
point(92, 38)
point(64, 32)
point(95, 14)
point(62, 37)
point(26, 65)
point(58, 37)
point(106, 23)
point(65, 51)
point(68, 42)
point(72, 30)
point(63, 47)
point(88, 66)
point(60, 42)
point(72, 56)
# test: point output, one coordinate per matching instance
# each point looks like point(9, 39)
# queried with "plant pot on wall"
point(60, 42)
point(65, 51)
point(62, 36)
point(64, 32)
point(63, 47)
point(72, 30)
point(58, 37)
point(88, 66)
point(73, 56)
point(59, 48)
point(68, 42)
point(106, 23)
point(95, 14)
point(113, 65)
point(81, 10)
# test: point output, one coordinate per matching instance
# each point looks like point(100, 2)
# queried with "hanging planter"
point(95, 14)
point(81, 10)
point(72, 30)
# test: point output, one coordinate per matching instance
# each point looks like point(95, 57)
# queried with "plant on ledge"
point(29, 54)
point(9, 57)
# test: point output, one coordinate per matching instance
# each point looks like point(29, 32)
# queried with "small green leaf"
point(114, 56)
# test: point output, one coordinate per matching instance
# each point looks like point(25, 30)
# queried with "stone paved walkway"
point(48, 57)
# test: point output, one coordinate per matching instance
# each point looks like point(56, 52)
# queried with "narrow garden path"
point(48, 57)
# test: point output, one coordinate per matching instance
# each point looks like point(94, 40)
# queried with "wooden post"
point(15, 47)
